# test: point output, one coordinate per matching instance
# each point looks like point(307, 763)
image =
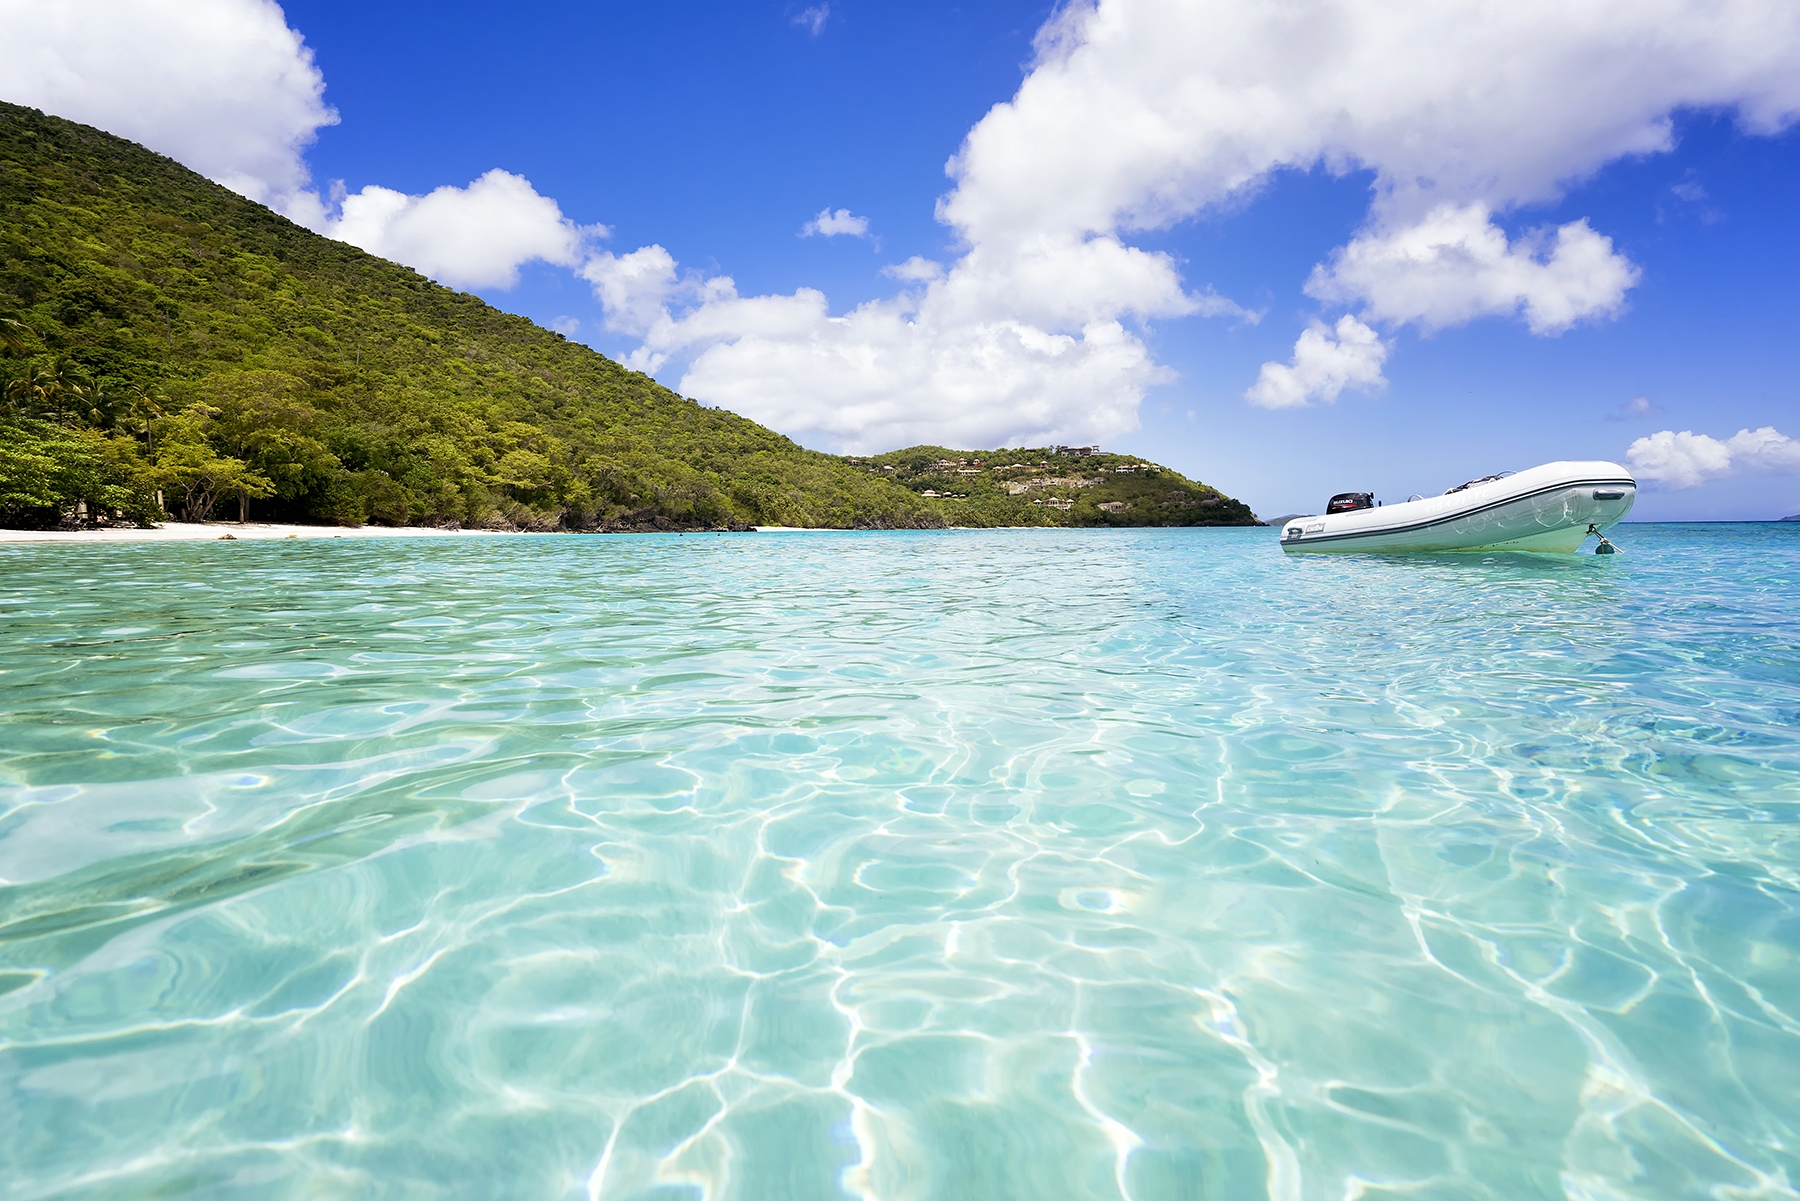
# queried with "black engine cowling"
point(1349, 502)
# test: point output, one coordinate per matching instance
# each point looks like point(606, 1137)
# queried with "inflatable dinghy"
point(1555, 507)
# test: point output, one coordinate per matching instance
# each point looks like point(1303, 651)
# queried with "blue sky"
point(717, 131)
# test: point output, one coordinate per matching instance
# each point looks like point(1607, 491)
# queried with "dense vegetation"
point(1057, 485)
point(169, 347)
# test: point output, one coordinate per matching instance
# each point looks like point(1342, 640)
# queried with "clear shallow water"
point(1026, 864)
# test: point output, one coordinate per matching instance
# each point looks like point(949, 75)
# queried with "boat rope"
point(1605, 547)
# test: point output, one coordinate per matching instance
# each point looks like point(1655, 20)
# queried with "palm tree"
point(21, 393)
point(15, 335)
point(146, 408)
point(58, 390)
point(33, 393)
point(99, 405)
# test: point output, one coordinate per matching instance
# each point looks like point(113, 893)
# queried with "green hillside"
point(167, 345)
point(1055, 485)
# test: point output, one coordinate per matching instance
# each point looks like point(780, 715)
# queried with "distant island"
point(169, 347)
point(1795, 517)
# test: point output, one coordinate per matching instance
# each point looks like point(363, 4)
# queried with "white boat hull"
point(1548, 508)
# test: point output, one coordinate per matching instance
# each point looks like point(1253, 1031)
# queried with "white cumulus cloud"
point(916, 270)
point(1143, 112)
point(830, 225)
point(1687, 460)
point(881, 376)
point(228, 89)
point(1137, 114)
point(1140, 112)
point(1134, 115)
point(223, 86)
point(1034, 352)
point(1456, 265)
point(473, 237)
point(632, 288)
point(637, 290)
point(1322, 367)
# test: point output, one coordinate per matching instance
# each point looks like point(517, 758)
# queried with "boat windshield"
point(1486, 479)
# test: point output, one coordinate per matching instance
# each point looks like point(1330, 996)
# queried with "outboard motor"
point(1349, 502)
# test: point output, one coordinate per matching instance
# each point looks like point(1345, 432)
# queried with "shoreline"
point(218, 531)
point(265, 531)
point(260, 531)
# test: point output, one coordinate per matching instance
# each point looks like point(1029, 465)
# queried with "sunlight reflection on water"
point(1015, 864)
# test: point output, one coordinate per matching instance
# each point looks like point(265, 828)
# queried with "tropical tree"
point(142, 410)
point(263, 419)
point(48, 470)
point(58, 390)
point(99, 404)
point(16, 336)
point(187, 466)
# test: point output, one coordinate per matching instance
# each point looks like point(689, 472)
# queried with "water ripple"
point(1023, 864)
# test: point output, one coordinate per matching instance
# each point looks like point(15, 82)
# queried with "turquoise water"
point(1030, 864)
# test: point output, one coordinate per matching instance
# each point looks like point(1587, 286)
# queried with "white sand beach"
point(191, 531)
